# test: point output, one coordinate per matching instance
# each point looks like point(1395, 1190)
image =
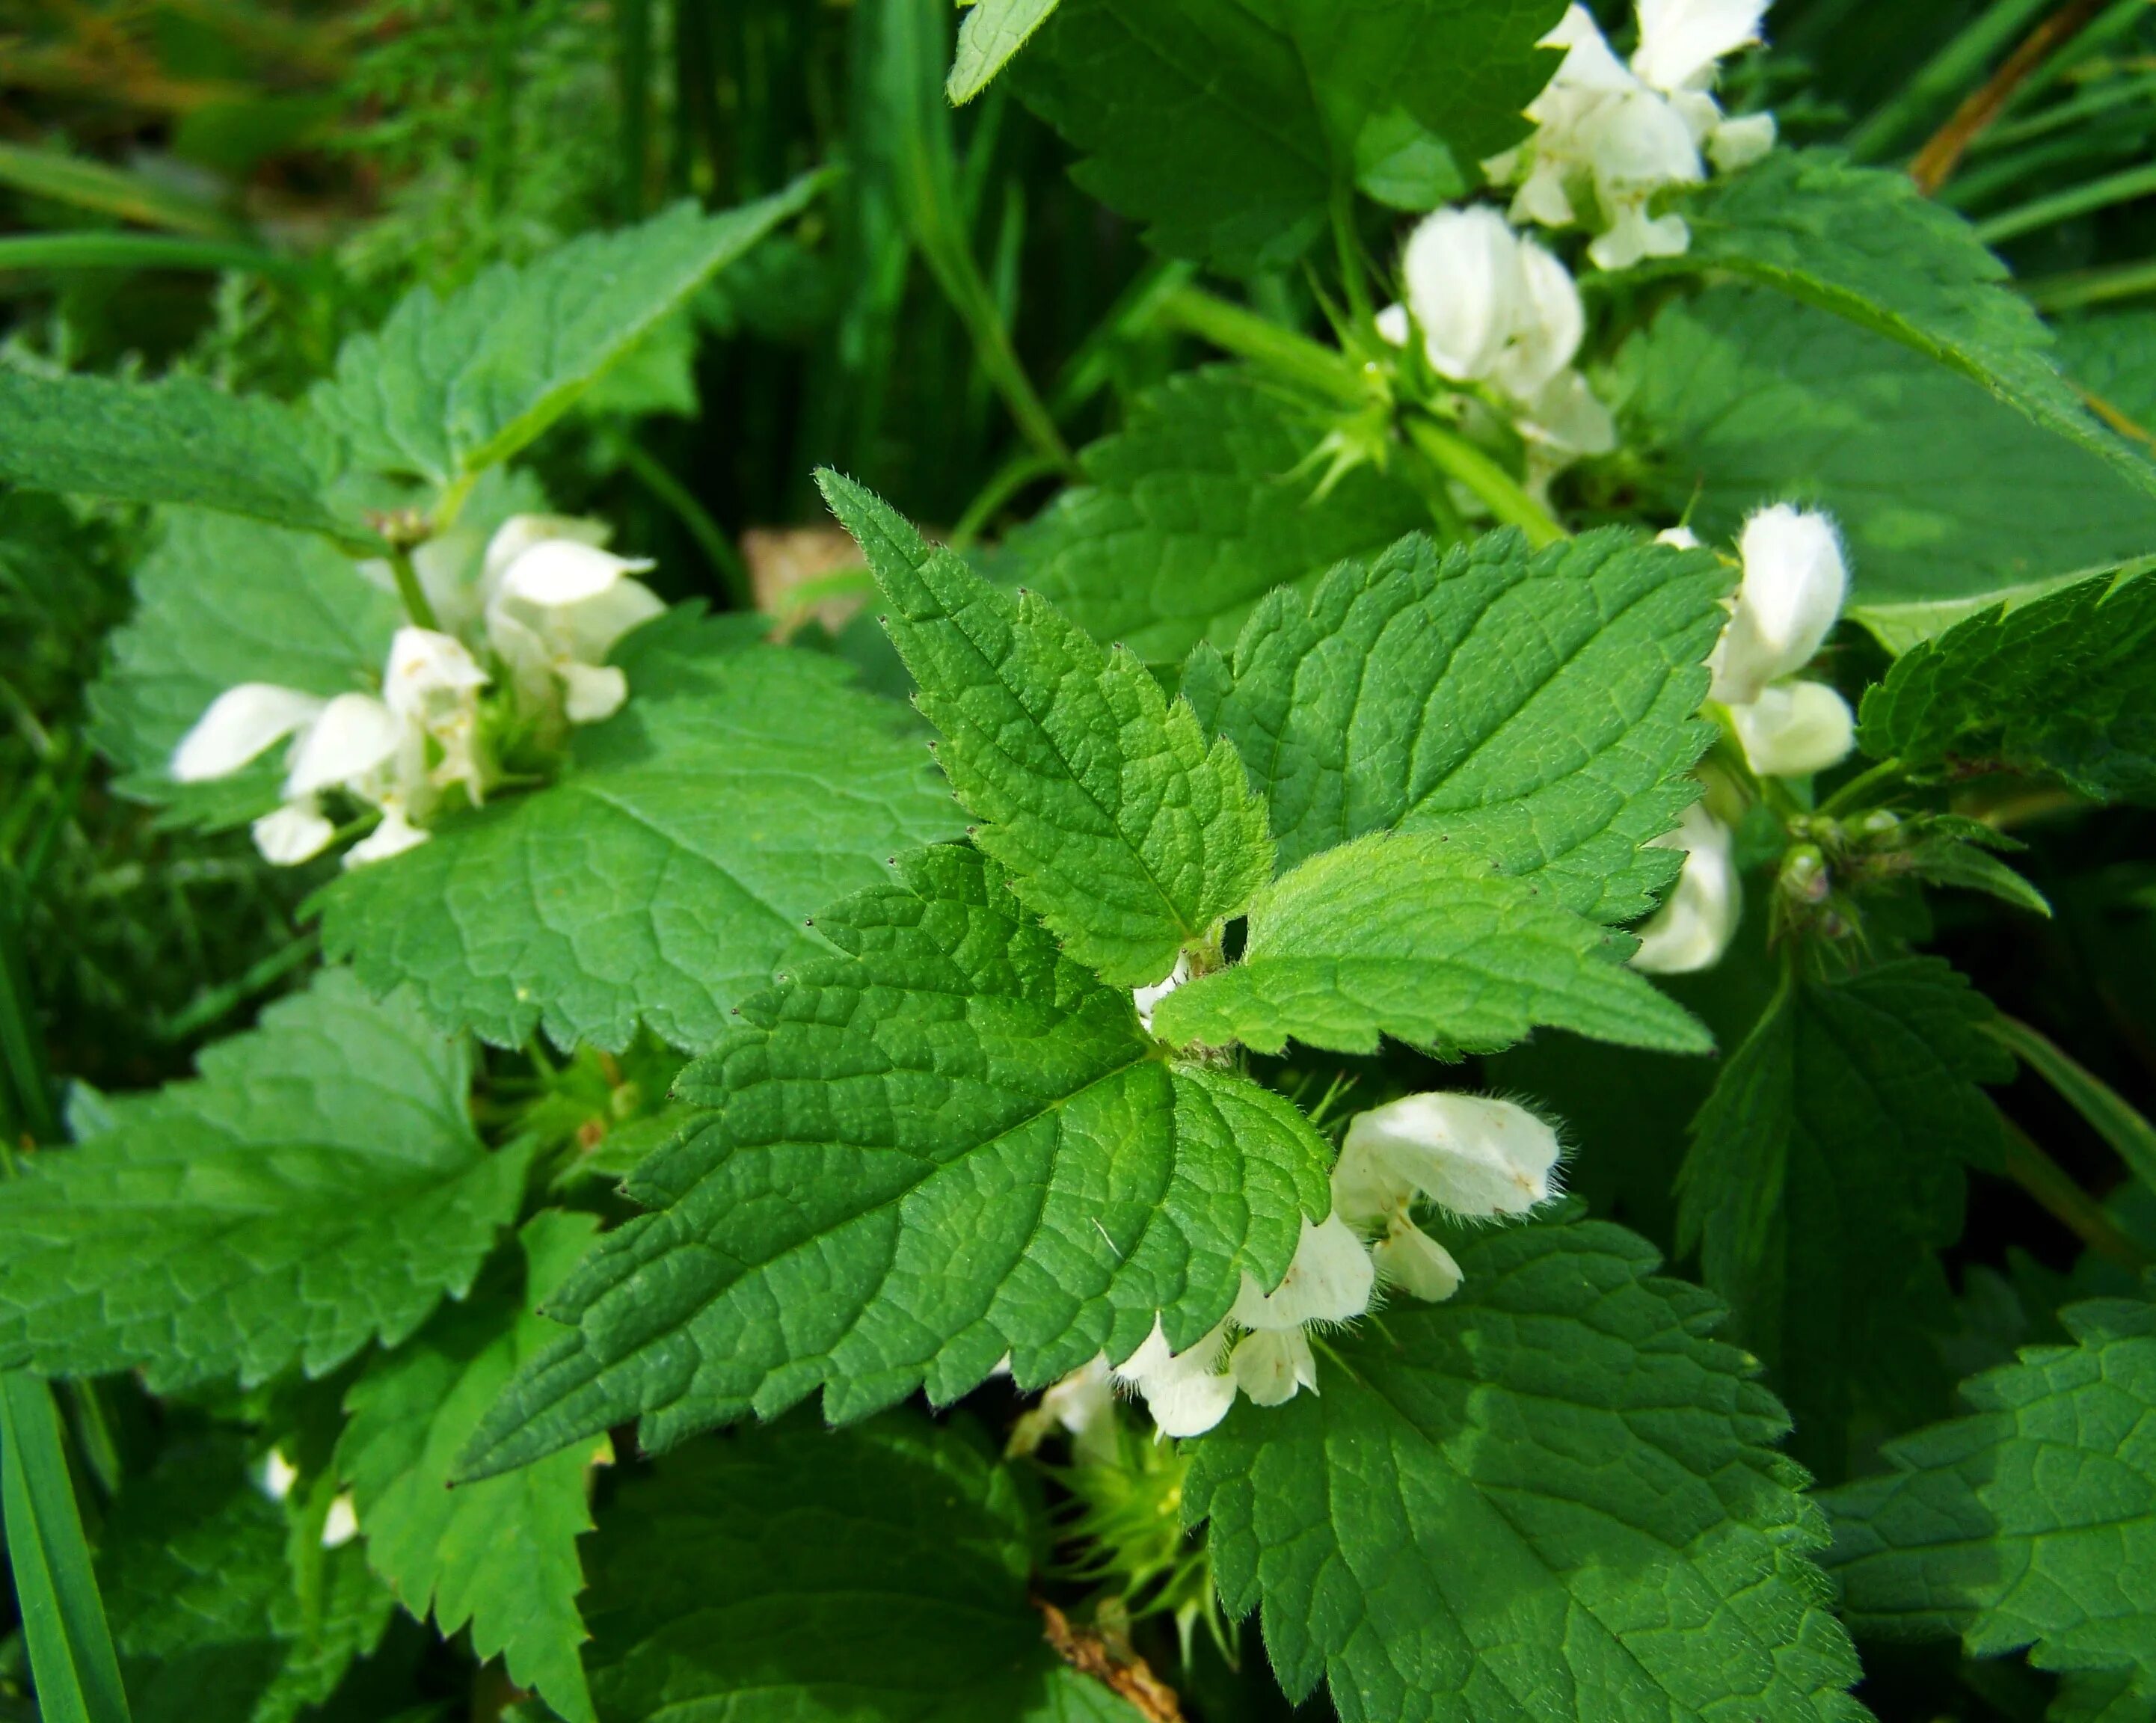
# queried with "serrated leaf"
point(1553, 1497)
point(948, 1145)
point(177, 441)
point(1539, 707)
point(319, 1185)
point(1120, 828)
point(994, 31)
point(205, 1610)
point(500, 1555)
point(448, 387)
point(1963, 865)
point(734, 1581)
point(1942, 493)
point(1826, 1171)
point(1199, 506)
point(1225, 125)
point(2064, 686)
point(1865, 244)
point(2031, 1523)
point(1415, 938)
point(672, 867)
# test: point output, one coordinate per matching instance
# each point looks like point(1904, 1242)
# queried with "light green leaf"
point(319, 1185)
point(2114, 358)
point(1416, 938)
point(1225, 126)
point(1128, 834)
point(950, 1145)
point(2064, 686)
point(1941, 492)
point(1826, 1171)
point(2031, 1523)
point(1539, 708)
point(1865, 244)
point(499, 1556)
point(670, 868)
point(178, 441)
point(1195, 510)
point(875, 1575)
point(994, 31)
point(1552, 1497)
point(446, 387)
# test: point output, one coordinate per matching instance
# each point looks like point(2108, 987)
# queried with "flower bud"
point(1804, 876)
point(1476, 1156)
point(1270, 1365)
point(1694, 927)
point(1795, 729)
point(1794, 585)
point(1409, 1259)
point(1329, 1281)
point(239, 725)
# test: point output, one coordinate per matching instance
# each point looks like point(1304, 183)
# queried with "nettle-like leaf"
point(1552, 1497)
point(319, 1185)
point(994, 31)
point(1200, 504)
point(670, 868)
point(177, 441)
point(1540, 708)
point(950, 1144)
point(1127, 832)
point(1826, 1169)
point(1865, 243)
point(1414, 937)
point(1225, 126)
point(205, 1607)
point(1942, 492)
point(448, 387)
point(2064, 686)
point(499, 1556)
point(2031, 1523)
point(793, 1575)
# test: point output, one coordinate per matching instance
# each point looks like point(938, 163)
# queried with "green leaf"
point(1553, 1498)
point(72, 1664)
point(319, 1185)
point(2063, 686)
point(672, 867)
point(948, 1145)
point(1125, 832)
point(448, 387)
point(178, 441)
point(1195, 510)
point(1865, 244)
point(1826, 1170)
point(499, 1556)
point(2114, 358)
point(1540, 708)
point(2029, 1523)
point(993, 32)
point(1225, 126)
point(1414, 937)
point(206, 1608)
point(794, 1575)
point(1947, 861)
point(1942, 493)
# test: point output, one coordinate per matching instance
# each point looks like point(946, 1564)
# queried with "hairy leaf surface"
point(1199, 506)
point(948, 1145)
point(1414, 937)
point(1128, 834)
point(1826, 1170)
point(319, 1185)
point(1552, 1497)
point(1541, 707)
point(994, 31)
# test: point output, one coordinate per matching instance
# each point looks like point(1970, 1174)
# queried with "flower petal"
point(239, 725)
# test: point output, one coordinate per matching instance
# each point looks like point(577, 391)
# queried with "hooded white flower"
point(1795, 582)
point(560, 605)
point(1329, 1280)
point(393, 836)
point(239, 725)
point(1473, 1155)
point(276, 1475)
point(1146, 998)
point(1270, 1365)
point(1682, 42)
point(341, 1525)
point(295, 832)
point(1694, 927)
point(1407, 1257)
point(1795, 729)
point(432, 682)
point(1187, 1393)
point(1083, 1403)
point(353, 739)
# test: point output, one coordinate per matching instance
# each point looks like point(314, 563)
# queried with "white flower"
point(1393, 325)
point(1270, 1365)
point(1146, 998)
point(1473, 1155)
point(1795, 729)
point(1794, 583)
point(1694, 927)
point(277, 1475)
point(1409, 1259)
point(1084, 1404)
point(342, 1524)
point(239, 725)
point(433, 683)
point(1187, 1393)
point(295, 832)
point(557, 610)
point(394, 836)
point(352, 739)
point(1680, 41)
point(1329, 1280)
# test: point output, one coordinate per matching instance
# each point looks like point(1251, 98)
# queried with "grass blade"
point(2114, 1118)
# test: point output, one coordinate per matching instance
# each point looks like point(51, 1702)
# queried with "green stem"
point(2109, 1112)
point(417, 608)
point(2043, 1178)
point(1851, 794)
point(1243, 333)
point(1456, 457)
point(2076, 200)
point(2090, 287)
point(727, 560)
point(1348, 244)
point(1948, 72)
point(145, 251)
point(1020, 471)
